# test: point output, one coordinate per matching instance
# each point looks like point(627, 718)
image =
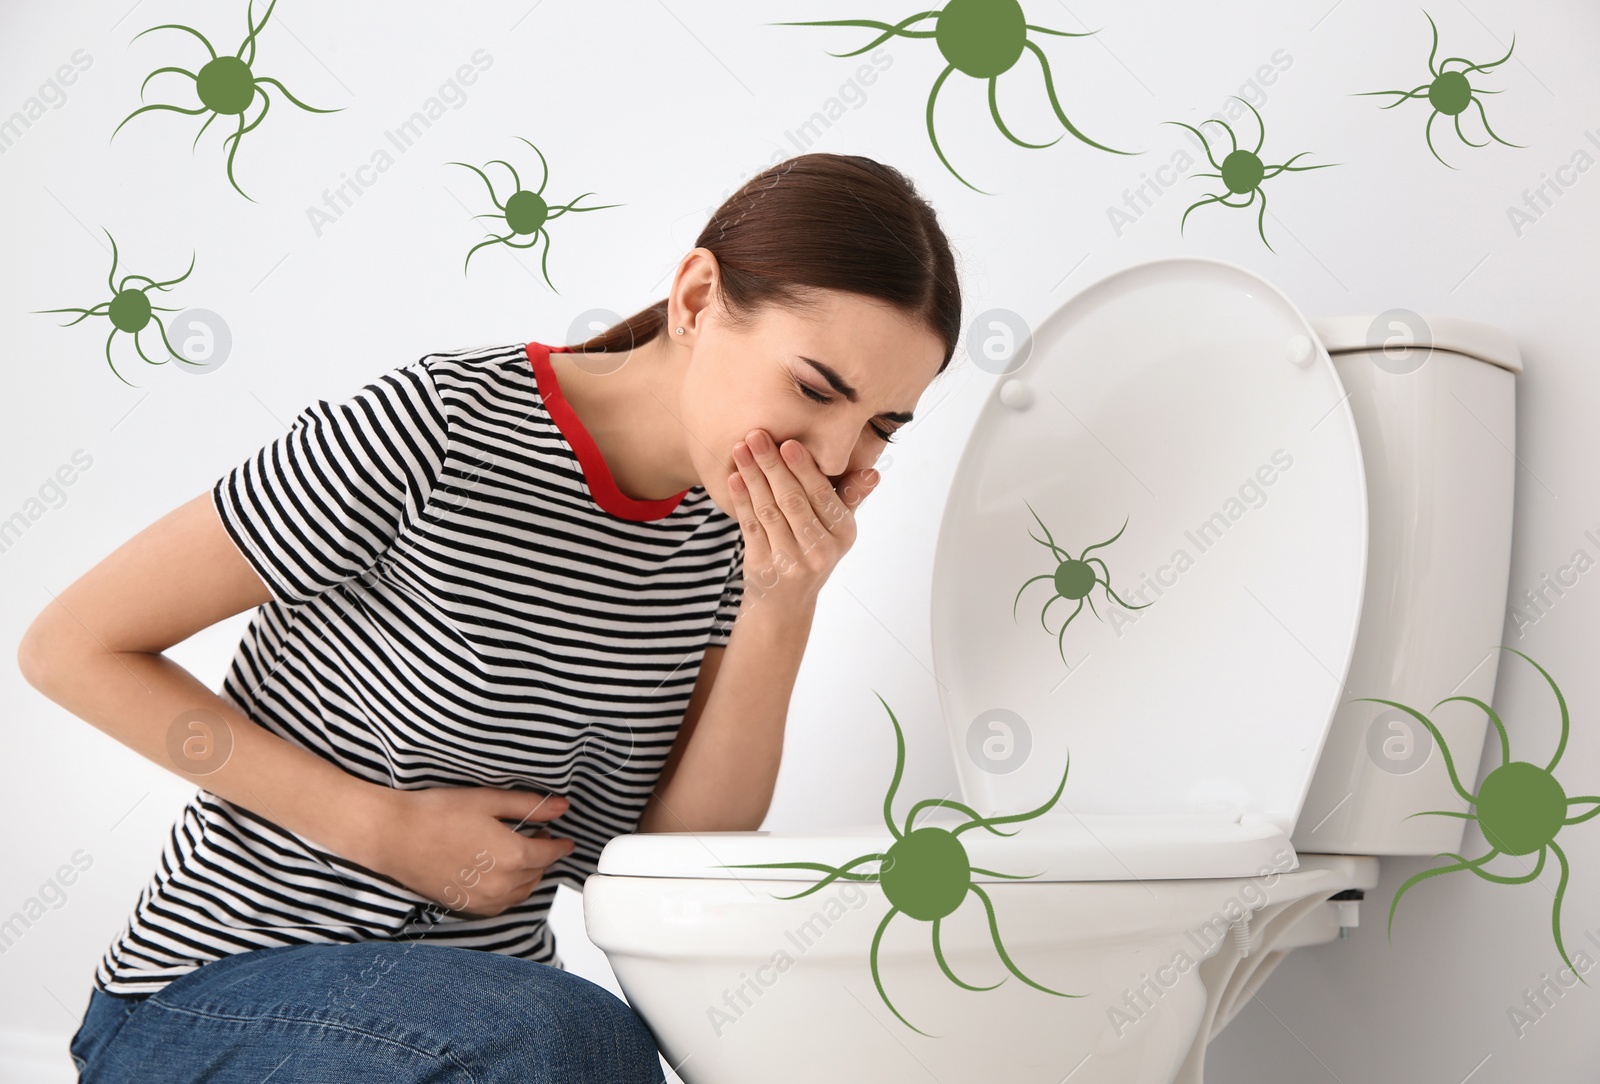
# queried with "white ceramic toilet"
point(1262, 488)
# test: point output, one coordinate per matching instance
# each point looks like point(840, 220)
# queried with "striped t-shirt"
point(461, 596)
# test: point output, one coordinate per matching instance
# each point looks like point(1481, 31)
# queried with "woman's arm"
point(96, 651)
point(723, 767)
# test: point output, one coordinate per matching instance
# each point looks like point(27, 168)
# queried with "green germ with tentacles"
point(1241, 171)
point(983, 39)
point(524, 213)
point(925, 873)
point(129, 309)
point(1520, 807)
point(225, 85)
point(1449, 92)
point(1073, 579)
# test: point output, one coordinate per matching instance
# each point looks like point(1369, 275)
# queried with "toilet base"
point(1232, 979)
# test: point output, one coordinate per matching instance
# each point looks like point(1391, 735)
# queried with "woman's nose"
point(856, 454)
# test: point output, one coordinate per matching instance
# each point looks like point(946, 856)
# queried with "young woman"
point(509, 603)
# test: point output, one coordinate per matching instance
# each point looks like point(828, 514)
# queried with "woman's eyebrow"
point(839, 385)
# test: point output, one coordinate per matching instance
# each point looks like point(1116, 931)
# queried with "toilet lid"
point(1178, 426)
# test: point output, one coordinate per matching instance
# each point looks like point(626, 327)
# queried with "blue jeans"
point(393, 1011)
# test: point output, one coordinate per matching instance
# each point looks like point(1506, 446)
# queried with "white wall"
point(666, 109)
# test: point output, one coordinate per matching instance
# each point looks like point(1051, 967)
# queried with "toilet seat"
point(1081, 847)
point(1181, 420)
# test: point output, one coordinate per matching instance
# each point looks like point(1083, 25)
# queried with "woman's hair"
point(820, 221)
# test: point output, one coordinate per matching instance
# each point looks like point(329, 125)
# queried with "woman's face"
point(760, 379)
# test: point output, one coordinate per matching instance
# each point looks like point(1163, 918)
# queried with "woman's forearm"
point(727, 772)
point(161, 711)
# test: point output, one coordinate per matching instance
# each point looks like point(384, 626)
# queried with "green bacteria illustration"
point(1520, 807)
point(226, 86)
point(1450, 93)
point(1241, 171)
point(925, 874)
point(983, 39)
point(1073, 579)
point(524, 212)
point(129, 309)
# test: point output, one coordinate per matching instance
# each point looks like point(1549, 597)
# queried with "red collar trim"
point(595, 471)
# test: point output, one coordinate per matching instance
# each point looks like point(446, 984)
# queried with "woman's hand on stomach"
point(449, 844)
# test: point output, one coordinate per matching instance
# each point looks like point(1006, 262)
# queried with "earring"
point(680, 331)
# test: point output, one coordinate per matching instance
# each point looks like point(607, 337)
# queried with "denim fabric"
point(398, 1012)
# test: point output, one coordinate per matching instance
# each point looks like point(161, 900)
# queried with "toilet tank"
point(1434, 405)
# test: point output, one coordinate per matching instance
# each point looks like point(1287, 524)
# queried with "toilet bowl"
point(740, 986)
point(1178, 532)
